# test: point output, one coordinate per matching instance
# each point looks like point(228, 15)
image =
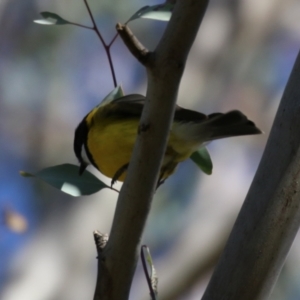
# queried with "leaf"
point(202, 159)
point(152, 278)
point(161, 12)
point(114, 94)
point(66, 178)
point(51, 19)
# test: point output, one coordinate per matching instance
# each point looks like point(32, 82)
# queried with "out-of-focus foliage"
point(51, 76)
point(160, 12)
point(66, 178)
point(51, 19)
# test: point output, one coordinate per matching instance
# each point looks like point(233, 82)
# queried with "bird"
point(105, 137)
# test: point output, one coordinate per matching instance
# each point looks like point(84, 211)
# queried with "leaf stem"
point(113, 189)
point(80, 25)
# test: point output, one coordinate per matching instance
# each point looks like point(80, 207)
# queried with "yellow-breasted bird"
point(106, 135)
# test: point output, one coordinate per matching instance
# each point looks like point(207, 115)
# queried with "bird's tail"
point(219, 125)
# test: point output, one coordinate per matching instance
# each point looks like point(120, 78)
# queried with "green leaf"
point(66, 178)
point(114, 94)
point(51, 19)
point(202, 159)
point(161, 12)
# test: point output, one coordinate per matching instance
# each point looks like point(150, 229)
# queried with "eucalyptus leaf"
point(51, 19)
point(202, 159)
point(66, 178)
point(161, 12)
point(152, 277)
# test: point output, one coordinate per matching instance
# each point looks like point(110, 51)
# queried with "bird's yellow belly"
point(111, 146)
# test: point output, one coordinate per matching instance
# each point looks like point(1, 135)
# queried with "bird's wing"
point(132, 105)
point(133, 98)
point(184, 115)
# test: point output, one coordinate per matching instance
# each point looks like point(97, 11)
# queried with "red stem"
point(106, 47)
point(114, 38)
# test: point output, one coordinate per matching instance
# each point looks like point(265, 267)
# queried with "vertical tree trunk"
point(270, 217)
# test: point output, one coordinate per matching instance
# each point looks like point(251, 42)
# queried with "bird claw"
point(118, 174)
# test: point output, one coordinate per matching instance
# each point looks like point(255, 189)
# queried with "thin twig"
point(94, 23)
point(113, 40)
point(106, 47)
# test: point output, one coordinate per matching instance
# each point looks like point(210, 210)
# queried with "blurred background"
point(51, 76)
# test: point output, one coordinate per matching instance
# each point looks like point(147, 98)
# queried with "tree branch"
point(164, 75)
point(270, 217)
point(100, 241)
point(140, 52)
